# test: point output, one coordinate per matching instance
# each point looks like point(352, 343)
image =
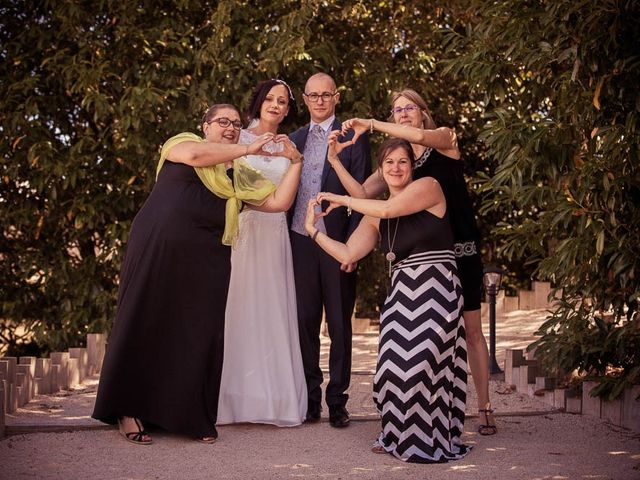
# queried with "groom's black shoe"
point(338, 416)
point(313, 411)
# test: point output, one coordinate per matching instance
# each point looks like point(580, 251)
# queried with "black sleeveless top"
point(416, 233)
point(450, 174)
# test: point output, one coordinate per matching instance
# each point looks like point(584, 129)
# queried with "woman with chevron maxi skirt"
point(421, 376)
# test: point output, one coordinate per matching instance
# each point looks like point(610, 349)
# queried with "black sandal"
point(208, 439)
point(487, 429)
point(136, 437)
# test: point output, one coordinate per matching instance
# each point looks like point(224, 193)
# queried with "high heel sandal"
point(485, 428)
point(137, 437)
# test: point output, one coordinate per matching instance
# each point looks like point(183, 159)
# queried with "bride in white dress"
point(262, 374)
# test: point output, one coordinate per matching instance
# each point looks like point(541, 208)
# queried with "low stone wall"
point(522, 372)
point(538, 298)
point(21, 379)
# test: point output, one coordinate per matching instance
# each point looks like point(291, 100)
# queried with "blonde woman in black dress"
point(437, 155)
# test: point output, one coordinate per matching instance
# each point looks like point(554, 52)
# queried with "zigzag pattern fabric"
point(420, 386)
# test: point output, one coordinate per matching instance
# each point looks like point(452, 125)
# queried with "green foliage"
point(601, 347)
point(559, 84)
point(90, 90)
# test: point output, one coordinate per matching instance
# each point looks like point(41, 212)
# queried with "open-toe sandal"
point(137, 437)
point(486, 428)
point(377, 448)
point(208, 440)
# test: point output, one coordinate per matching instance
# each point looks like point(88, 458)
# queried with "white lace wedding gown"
point(262, 374)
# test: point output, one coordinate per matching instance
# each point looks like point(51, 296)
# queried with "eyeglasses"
point(409, 108)
point(224, 122)
point(326, 96)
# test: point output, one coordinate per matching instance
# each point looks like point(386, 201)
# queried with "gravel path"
point(534, 442)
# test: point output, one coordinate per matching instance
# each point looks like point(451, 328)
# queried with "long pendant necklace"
point(423, 158)
point(390, 256)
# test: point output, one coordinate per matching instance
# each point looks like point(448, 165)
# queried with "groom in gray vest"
point(321, 282)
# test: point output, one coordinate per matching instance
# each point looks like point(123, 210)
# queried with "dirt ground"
point(59, 440)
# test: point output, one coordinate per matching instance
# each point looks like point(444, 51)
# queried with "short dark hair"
point(261, 91)
point(391, 144)
point(213, 109)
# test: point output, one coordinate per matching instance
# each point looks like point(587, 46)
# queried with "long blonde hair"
point(413, 96)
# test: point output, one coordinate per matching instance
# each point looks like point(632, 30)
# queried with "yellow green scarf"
point(249, 185)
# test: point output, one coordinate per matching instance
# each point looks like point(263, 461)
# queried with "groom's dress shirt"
point(315, 154)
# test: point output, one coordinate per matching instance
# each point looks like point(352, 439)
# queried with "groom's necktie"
point(315, 151)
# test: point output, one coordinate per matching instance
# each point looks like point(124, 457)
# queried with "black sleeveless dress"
point(164, 357)
point(466, 235)
point(421, 376)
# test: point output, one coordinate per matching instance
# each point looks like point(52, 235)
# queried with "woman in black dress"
point(421, 376)
point(437, 155)
point(164, 358)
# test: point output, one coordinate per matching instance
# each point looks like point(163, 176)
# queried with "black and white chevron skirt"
point(420, 386)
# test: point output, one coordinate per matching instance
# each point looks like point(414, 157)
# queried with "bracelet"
point(246, 152)
point(371, 126)
point(300, 160)
point(349, 207)
point(313, 237)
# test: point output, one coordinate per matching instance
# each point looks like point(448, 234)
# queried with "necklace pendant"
point(391, 257)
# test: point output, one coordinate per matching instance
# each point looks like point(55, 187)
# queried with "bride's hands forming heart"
point(257, 147)
point(289, 148)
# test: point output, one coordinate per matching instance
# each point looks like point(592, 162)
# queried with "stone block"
point(39, 386)
point(631, 408)
point(527, 376)
point(590, 405)
point(3, 385)
point(545, 383)
point(530, 354)
point(26, 382)
point(43, 373)
point(4, 370)
point(513, 358)
point(96, 344)
point(27, 361)
point(548, 397)
point(511, 304)
point(4, 396)
point(31, 363)
point(73, 371)
point(62, 360)
point(611, 411)
point(515, 378)
point(541, 291)
point(11, 368)
point(12, 406)
point(54, 379)
point(574, 405)
point(526, 299)
point(83, 361)
point(559, 398)
point(21, 391)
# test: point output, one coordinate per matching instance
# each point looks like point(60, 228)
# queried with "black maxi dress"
point(420, 385)
point(164, 356)
point(466, 235)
